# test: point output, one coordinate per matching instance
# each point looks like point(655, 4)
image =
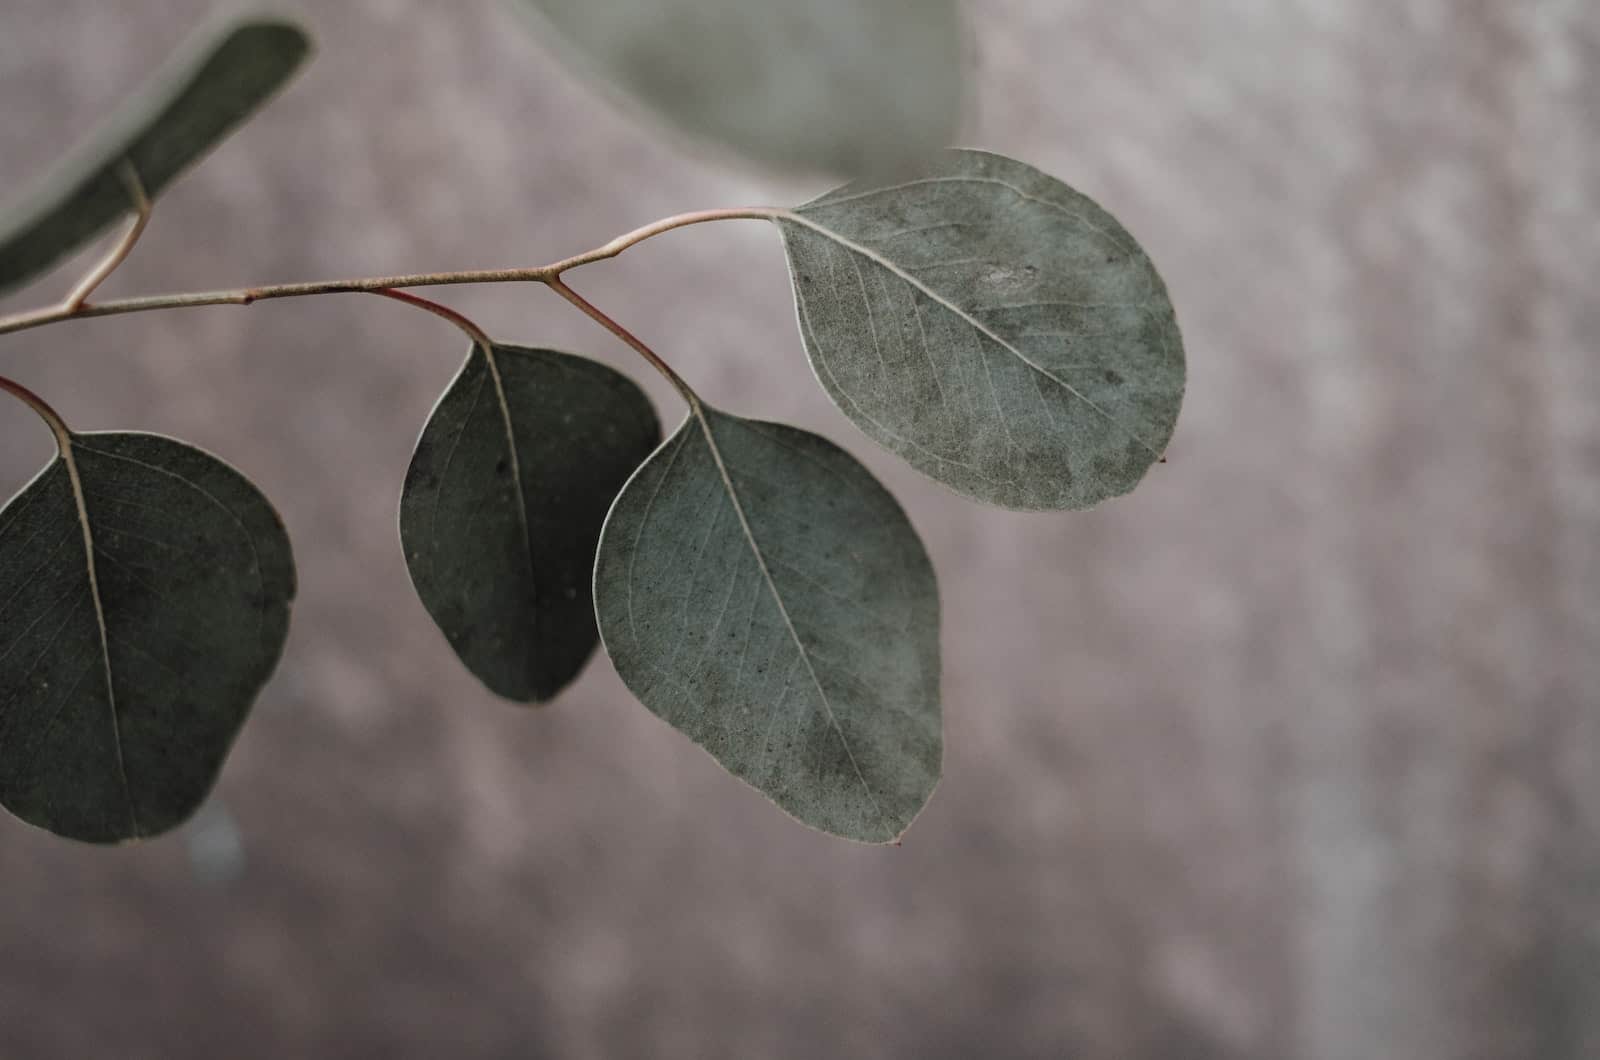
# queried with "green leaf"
point(993, 327)
point(835, 86)
point(503, 505)
point(201, 96)
point(762, 593)
point(146, 589)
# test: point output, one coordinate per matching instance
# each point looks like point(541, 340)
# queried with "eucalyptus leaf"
point(836, 86)
point(993, 327)
point(503, 505)
point(210, 88)
point(759, 590)
point(144, 601)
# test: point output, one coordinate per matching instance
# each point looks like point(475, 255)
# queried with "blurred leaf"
point(759, 590)
point(187, 109)
point(992, 326)
point(836, 86)
point(503, 504)
point(146, 590)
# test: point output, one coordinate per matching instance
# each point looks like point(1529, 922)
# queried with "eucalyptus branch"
point(752, 583)
point(65, 311)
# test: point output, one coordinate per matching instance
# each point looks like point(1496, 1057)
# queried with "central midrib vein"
point(972, 321)
point(73, 476)
point(516, 465)
point(783, 610)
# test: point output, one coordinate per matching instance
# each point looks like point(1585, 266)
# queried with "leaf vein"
point(788, 621)
point(976, 324)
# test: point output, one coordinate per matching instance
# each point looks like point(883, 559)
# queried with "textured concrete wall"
point(1289, 754)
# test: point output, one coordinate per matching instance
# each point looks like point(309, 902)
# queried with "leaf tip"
point(286, 40)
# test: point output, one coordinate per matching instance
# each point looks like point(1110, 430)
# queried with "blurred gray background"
point(1291, 753)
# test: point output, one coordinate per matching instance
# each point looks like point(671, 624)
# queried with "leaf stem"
point(119, 253)
point(247, 295)
point(655, 228)
point(472, 330)
point(595, 314)
point(42, 408)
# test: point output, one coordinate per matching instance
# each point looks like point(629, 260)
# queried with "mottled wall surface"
point(1292, 753)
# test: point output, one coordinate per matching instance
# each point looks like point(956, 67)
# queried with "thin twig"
point(628, 337)
point(246, 295)
point(119, 253)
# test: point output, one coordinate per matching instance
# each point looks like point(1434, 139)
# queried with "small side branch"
point(119, 253)
point(595, 314)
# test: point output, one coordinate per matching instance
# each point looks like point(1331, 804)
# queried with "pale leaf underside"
point(992, 326)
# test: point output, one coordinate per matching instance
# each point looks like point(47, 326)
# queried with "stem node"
point(79, 298)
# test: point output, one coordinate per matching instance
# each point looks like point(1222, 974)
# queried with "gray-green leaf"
point(836, 86)
point(503, 505)
point(144, 600)
point(195, 102)
point(995, 328)
point(762, 593)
